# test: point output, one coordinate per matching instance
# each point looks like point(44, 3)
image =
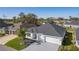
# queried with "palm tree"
point(14, 19)
point(21, 34)
point(22, 16)
point(70, 18)
point(49, 19)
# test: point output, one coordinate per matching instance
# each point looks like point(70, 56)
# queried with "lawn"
point(15, 43)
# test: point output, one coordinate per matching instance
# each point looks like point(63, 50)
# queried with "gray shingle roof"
point(4, 25)
point(49, 29)
point(72, 23)
point(77, 34)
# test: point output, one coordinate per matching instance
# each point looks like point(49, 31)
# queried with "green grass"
point(15, 43)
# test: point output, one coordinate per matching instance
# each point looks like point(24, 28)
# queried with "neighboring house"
point(59, 22)
point(3, 27)
point(77, 37)
point(9, 28)
point(72, 24)
point(27, 25)
point(13, 29)
point(47, 33)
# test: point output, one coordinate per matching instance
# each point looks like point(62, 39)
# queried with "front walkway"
point(7, 38)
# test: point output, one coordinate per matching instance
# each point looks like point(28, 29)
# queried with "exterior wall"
point(46, 38)
point(41, 37)
point(2, 30)
point(51, 39)
point(55, 40)
point(77, 43)
point(29, 37)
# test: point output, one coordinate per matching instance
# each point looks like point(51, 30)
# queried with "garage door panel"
point(53, 40)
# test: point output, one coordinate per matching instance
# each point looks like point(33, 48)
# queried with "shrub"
point(67, 39)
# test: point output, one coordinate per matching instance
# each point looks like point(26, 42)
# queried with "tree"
point(31, 18)
point(1, 21)
point(41, 21)
point(60, 18)
point(14, 19)
point(22, 16)
point(21, 34)
point(70, 18)
point(67, 39)
point(50, 19)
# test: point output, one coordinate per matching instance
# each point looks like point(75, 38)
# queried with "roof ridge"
point(55, 28)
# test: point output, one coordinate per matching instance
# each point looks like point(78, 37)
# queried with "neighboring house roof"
point(11, 27)
point(42, 47)
point(72, 23)
point(5, 48)
point(14, 27)
point(49, 29)
point(26, 25)
point(77, 34)
point(4, 25)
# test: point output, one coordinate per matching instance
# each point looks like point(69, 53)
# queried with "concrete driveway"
point(7, 38)
point(42, 47)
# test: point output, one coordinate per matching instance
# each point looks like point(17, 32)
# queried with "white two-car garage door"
point(53, 40)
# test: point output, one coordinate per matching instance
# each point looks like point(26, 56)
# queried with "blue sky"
point(41, 11)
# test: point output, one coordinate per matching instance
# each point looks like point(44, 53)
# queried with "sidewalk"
point(6, 38)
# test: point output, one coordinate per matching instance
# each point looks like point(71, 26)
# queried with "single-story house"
point(9, 28)
point(72, 24)
point(50, 33)
point(13, 29)
point(4, 27)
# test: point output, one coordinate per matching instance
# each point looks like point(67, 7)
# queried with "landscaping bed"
point(2, 34)
point(68, 48)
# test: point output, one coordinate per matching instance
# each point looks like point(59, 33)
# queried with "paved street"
point(5, 48)
point(6, 38)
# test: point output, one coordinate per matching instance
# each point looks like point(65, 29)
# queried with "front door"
point(42, 38)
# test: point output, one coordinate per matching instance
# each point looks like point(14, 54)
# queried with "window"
point(28, 34)
point(35, 36)
point(78, 42)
